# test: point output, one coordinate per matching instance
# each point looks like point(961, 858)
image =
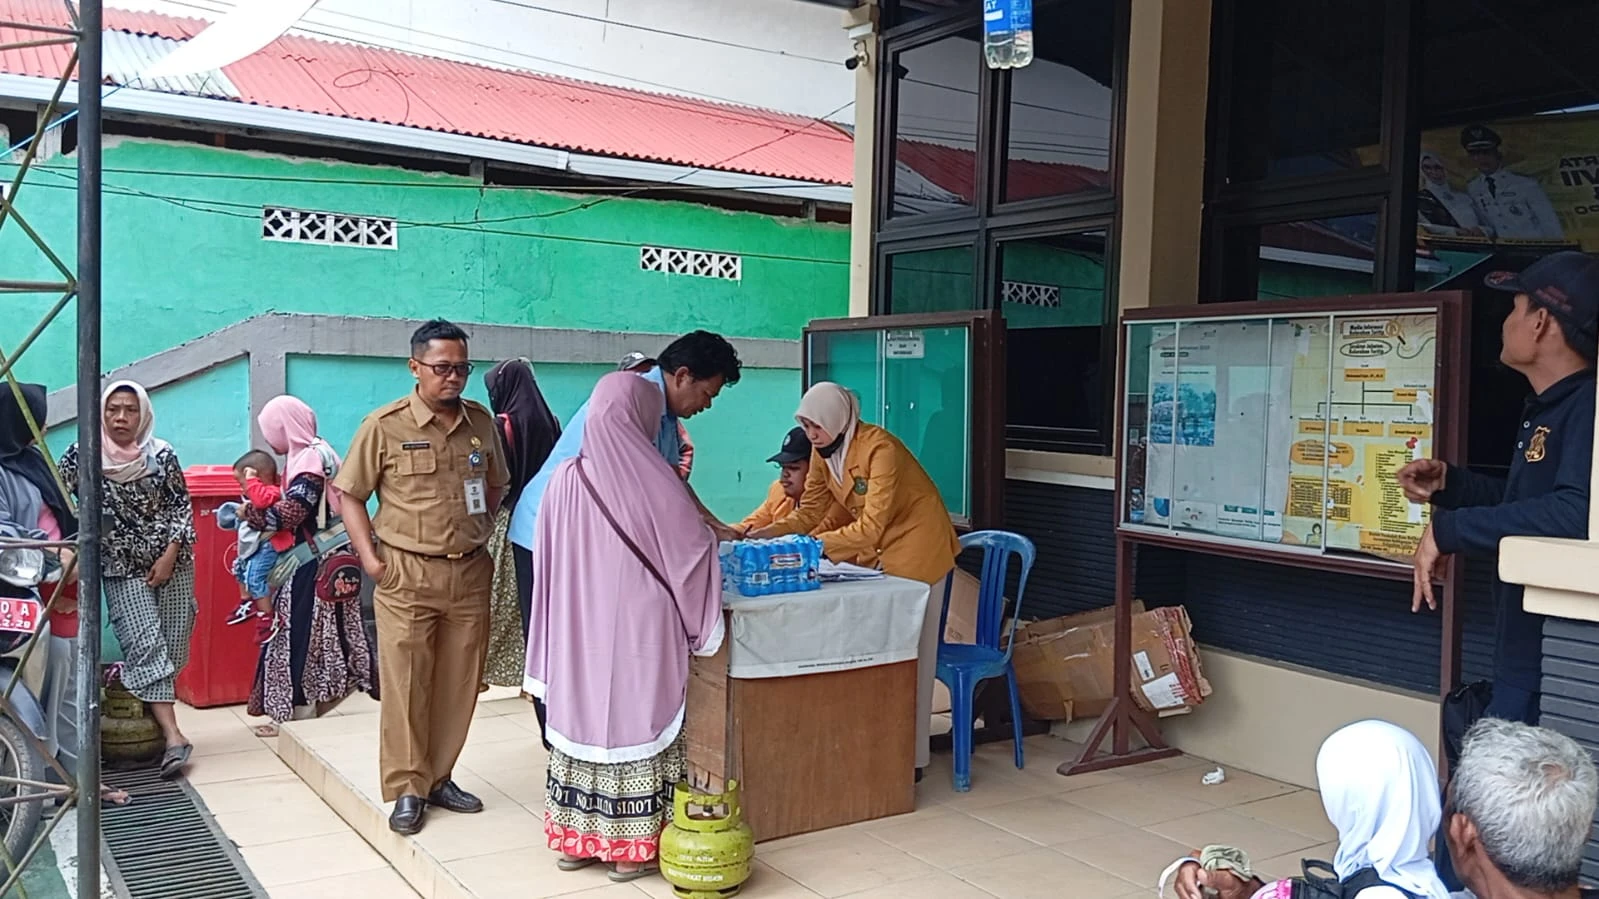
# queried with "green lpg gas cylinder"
point(706, 850)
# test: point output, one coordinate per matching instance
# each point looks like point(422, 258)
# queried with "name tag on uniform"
point(477, 497)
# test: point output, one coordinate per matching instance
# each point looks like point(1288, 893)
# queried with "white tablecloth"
point(853, 624)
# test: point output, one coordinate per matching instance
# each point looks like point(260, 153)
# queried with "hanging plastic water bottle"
point(1021, 25)
point(999, 40)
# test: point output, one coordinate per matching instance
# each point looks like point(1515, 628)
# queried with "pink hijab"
point(289, 427)
point(124, 463)
point(608, 644)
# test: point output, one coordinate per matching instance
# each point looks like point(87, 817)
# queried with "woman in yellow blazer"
point(896, 519)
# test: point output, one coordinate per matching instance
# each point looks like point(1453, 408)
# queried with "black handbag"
point(1462, 708)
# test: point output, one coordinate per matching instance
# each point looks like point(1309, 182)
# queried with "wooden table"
point(822, 749)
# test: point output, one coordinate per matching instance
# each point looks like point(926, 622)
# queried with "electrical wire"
point(559, 187)
point(229, 209)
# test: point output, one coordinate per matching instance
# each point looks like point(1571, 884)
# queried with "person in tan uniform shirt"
point(794, 464)
point(434, 461)
point(896, 519)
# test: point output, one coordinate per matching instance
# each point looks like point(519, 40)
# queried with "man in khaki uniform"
point(433, 459)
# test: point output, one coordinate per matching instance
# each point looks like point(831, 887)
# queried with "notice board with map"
point(1280, 427)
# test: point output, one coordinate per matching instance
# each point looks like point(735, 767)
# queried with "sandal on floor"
point(173, 760)
point(265, 731)
point(630, 876)
point(574, 864)
point(114, 797)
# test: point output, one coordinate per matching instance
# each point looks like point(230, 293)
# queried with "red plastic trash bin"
point(222, 657)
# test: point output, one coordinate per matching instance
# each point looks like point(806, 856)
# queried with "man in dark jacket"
point(1549, 337)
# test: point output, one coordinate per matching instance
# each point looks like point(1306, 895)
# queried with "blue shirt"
point(668, 440)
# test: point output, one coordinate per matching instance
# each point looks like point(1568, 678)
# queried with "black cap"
point(796, 448)
point(1479, 137)
point(1565, 283)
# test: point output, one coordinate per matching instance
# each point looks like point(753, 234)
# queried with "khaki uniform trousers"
point(432, 620)
point(927, 670)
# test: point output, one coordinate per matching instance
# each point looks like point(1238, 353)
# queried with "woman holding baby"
point(317, 653)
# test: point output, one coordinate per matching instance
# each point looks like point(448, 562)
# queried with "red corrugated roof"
point(391, 87)
point(954, 169)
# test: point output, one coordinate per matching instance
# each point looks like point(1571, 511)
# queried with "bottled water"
point(999, 41)
point(1007, 33)
point(1021, 24)
point(769, 567)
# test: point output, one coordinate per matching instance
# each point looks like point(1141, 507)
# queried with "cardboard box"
point(1064, 672)
point(961, 625)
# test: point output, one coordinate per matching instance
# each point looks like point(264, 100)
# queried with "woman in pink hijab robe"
point(316, 650)
point(626, 585)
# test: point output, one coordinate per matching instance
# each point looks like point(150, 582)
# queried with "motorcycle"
point(25, 723)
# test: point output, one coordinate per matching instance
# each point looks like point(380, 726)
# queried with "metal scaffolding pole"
point(90, 514)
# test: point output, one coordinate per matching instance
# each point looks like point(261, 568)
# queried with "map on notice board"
point(1256, 428)
point(1214, 393)
point(1376, 418)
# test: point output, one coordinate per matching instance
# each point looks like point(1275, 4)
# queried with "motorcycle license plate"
point(20, 614)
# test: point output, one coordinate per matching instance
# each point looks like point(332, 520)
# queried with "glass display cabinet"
point(935, 381)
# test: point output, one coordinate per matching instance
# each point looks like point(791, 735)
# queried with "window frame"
point(1389, 187)
point(1100, 440)
point(990, 221)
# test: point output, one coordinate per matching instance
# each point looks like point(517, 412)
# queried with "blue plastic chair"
point(963, 666)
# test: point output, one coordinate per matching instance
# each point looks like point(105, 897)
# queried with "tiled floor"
point(294, 843)
point(1016, 834)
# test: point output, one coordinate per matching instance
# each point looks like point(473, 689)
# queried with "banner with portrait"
point(1527, 183)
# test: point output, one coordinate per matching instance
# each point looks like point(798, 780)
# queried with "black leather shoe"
point(918, 775)
point(407, 815)
point(452, 798)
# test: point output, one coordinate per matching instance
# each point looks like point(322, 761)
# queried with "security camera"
point(861, 56)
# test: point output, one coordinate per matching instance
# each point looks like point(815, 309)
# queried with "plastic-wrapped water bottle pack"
point(769, 567)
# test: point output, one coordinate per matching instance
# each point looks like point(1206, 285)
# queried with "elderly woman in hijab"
point(626, 585)
point(1380, 791)
point(528, 431)
point(147, 557)
point(33, 507)
point(318, 652)
point(896, 519)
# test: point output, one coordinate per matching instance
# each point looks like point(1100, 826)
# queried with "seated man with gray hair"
point(1520, 809)
point(1517, 821)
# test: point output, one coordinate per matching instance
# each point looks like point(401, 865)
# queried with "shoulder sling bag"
point(577, 463)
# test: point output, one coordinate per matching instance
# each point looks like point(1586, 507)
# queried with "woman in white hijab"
point(1444, 211)
point(1380, 791)
point(147, 555)
point(896, 519)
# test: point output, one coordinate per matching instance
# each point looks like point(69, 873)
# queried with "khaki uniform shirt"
point(420, 470)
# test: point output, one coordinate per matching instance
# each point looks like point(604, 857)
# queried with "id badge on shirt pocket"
point(477, 497)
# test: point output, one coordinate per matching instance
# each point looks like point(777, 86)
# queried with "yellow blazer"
point(778, 506)
point(896, 519)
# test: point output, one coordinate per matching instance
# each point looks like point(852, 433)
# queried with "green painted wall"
point(732, 439)
point(184, 257)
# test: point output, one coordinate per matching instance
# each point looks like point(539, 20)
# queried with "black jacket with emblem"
point(1546, 495)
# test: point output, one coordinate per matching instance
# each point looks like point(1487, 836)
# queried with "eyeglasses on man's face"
point(445, 369)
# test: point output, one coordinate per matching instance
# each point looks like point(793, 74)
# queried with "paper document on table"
point(844, 571)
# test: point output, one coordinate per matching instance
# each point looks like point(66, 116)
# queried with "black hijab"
point(18, 454)
point(514, 394)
